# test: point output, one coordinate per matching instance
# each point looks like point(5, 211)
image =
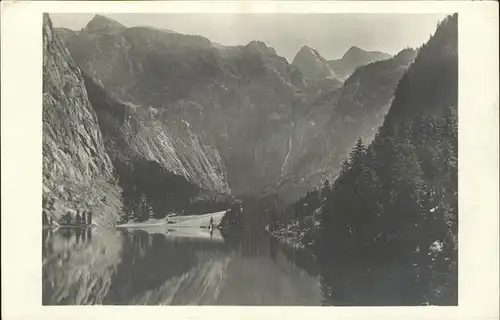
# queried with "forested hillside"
point(395, 202)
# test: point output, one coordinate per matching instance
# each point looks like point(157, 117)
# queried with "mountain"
point(312, 64)
point(239, 99)
point(325, 133)
point(317, 75)
point(430, 86)
point(164, 159)
point(77, 171)
point(353, 58)
point(267, 120)
point(134, 133)
point(99, 151)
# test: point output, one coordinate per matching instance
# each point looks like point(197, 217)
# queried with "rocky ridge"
point(77, 171)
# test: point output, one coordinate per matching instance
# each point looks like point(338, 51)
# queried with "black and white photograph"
point(178, 169)
point(250, 159)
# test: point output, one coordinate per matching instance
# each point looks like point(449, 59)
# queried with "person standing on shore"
point(78, 218)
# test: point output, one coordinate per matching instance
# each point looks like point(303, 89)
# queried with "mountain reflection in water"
point(141, 267)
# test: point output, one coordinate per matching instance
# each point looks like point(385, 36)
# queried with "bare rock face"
point(77, 172)
point(133, 134)
point(312, 64)
point(232, 98)
point(144, 68)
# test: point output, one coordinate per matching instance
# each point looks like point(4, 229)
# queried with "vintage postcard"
point(250, 154)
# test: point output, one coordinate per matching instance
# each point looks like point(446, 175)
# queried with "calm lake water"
point(172, 267)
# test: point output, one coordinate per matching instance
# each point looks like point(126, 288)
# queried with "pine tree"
point(366, 212)
point(355, 156)
point(78, 218)
point(67, 219)
point(144, 209)
point(325, 190)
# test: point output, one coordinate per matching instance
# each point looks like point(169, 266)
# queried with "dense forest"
point(150, 191)
point(395, 201)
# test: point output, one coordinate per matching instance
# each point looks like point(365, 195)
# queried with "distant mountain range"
point(352, 59)
point(315, 67)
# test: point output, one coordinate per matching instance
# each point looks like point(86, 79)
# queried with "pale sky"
point(330, 34)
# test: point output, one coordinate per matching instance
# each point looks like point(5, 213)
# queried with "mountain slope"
point(77, 172)
point(236, 98)
point(118, 57)
point(163, 164)
point(324, 135)
point(312, 64)
point(435, 73)
point(99, 151)
point(353, 58)
point(133, 133)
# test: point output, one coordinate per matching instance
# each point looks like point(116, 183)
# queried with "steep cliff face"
point(99, 151)
point(133, 134)
point(77, 172)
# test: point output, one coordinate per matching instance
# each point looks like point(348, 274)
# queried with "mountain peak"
point(305, 51)
point(101, 23)
point(353, 51)
point(306, 48)
point(261, 47)
point(312, 64)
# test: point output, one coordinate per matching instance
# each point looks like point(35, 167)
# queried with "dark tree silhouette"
point(395, 201)
point(78, 219)
point(67, 219)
